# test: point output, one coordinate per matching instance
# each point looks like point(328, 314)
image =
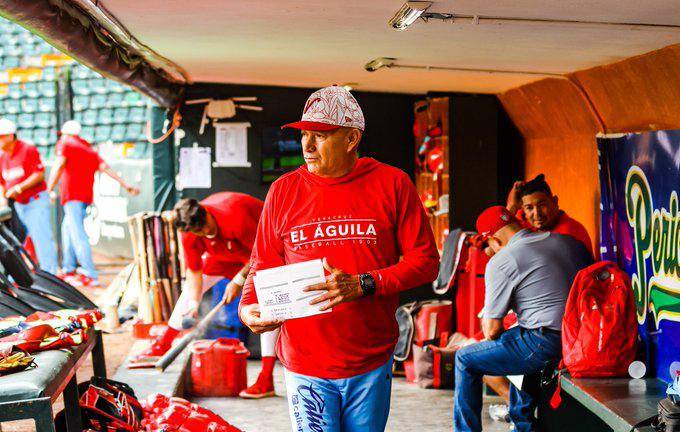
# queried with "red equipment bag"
point(599, 330)
point(106, 406)
point(218, 367)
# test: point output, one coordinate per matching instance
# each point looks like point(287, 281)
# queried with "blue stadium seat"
point(79, 72)
point(12, 106)
point(121, 115)
point(41, 137)
point(115, 87)
point(78, 116)
point(14, 90)
point(81, 103)
point(118, 133)
point(31, 89)
point(81, 87)
point(133, 132)
point(114, 100)
point(98, 85)
point(133, 99)
point(137, 115)
point(25, 121)
point(47, 104)
point(45, 120)
point(12, 61)
point(47, 88)
point(49, 73)
point(98, 101)
point(25, 135)
point(105, 116)
point(29, 105)
point(90, 117)
point(102, 134)
point(87, 133)
point(12, 117)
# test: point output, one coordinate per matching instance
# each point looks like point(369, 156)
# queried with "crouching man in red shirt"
point(537, 209)
point(361, 217)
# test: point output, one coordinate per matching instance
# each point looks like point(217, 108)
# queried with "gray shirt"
point(532, 275)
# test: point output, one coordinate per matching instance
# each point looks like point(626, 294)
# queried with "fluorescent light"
point(408, 14)
point(378, 63)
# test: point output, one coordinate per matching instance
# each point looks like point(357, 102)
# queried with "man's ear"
point(556, 199)
point(353, 138)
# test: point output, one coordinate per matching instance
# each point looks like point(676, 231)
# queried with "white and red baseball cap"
point(328, 109)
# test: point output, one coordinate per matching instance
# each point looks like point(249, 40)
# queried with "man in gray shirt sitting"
point(531, 274)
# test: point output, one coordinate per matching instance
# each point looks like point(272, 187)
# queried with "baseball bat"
point(179, 346)
point(145, 305)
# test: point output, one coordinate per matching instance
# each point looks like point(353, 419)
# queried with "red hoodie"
point(361, 222)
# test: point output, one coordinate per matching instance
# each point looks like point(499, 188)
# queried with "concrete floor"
point(413, 409)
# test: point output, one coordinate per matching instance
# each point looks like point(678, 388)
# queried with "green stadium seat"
point(25, 121)
point(12, 106)
point(98, 101)
point(137, 115)
point(81, 87)
point(90, 117)
point(47, 88)
point(115, 87)
point(118, 133)
point(47, 104)
point(78, 116)
point(87, 133)
point(81, 103)
point(12, 117)
point(13, 61)
point(29, 105)
point(121, 115)
point(10, 40)
point(102, 134)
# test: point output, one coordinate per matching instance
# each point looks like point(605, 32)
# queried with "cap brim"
point(312, 126)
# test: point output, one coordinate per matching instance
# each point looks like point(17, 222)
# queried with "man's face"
point(541, 210)
point(208, 230)
point(5, 141)
point(327, 153)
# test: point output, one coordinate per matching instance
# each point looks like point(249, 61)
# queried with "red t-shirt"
point(566, 226)
point(361, 222)
point(18, 166)
point(236, 215)
point(82, 162)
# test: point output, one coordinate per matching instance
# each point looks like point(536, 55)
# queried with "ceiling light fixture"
point(411, 11)
point(378, 63)
point(389, 63)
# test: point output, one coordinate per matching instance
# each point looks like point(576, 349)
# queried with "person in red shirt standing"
point(22, 179)
point(76, 164)
point(365, 219)
point(217, 236)
point(537, 209)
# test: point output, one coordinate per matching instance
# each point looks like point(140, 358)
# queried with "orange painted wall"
point(560, 118)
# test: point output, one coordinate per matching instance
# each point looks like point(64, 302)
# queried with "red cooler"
point(218, 367)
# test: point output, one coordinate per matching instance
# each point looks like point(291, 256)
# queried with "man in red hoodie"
point(537, 209)
point(365, 219)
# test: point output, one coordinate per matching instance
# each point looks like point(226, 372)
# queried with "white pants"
point(267, 340)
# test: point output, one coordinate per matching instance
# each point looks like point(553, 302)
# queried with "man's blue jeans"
point(36, 217)
point(74, 240)
point(517, 352)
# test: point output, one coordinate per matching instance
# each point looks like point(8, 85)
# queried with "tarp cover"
point(72, 30)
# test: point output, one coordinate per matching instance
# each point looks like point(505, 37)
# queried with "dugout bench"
point(29, 394)
point(603, 404)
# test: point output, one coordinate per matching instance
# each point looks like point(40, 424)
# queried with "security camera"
point(378, 63)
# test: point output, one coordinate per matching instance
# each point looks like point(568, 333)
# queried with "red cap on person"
point(328, 109)
point(493, 219)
